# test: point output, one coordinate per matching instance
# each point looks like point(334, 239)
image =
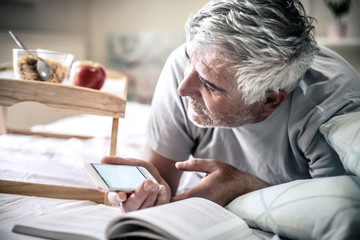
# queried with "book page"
point(76, 219)
point(194, 218)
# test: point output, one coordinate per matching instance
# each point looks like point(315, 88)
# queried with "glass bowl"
point(25, 64)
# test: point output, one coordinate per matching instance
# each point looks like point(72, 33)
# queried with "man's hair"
point(266, 44)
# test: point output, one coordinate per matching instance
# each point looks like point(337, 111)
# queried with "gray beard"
point(231, 120)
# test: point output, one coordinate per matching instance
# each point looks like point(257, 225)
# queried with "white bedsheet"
point(59, 162)
point(18, 209)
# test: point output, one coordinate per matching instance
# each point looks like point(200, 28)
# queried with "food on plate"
point(87, 74)
point(27, 69)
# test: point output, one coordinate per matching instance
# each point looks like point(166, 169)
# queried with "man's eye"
point(206, 84)
point(211, 89)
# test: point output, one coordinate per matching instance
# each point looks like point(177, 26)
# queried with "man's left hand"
point(222, 183)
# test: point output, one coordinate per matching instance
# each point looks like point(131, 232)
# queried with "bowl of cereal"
point(25, 64)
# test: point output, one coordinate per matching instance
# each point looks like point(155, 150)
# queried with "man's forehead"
point(207, 60)
point(210, 65)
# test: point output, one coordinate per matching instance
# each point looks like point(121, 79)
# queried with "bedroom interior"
point(107, 32)
point(132, 40)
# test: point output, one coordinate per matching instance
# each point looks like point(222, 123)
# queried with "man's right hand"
point(148, 194)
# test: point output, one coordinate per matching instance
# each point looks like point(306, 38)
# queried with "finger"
point(153, 189)
point(116, 198)
point(195, 191)
point(179, 197)
point(202, 190)
point(138, 198)
point(197, 165)
point(163, 196)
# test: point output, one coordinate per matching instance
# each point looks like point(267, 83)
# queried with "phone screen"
point(120, 176)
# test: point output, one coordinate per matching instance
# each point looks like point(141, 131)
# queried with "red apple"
point(87, 74)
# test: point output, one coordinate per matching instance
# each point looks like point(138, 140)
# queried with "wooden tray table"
point(65, 98)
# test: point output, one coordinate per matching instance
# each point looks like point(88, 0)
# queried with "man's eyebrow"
point(211, 85)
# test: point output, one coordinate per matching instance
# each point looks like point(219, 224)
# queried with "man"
point(243, 99)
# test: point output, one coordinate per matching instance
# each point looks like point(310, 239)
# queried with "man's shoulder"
point(328, 76)
point(329, 61)
point(329, 88)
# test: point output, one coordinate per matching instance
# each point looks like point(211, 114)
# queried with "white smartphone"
point(112, 177)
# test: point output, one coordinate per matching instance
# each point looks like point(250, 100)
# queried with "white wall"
point(136, 16)
point(93, 20)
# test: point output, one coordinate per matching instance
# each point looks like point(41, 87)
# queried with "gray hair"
point(266, 44)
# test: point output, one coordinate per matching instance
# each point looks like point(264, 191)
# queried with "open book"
point(193, 218)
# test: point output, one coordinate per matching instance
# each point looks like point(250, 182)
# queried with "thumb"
point(179, 197)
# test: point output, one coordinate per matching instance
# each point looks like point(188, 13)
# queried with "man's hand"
point(222, 184)
point(148, 194)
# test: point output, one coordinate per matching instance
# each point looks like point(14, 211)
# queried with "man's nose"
point(189, 86)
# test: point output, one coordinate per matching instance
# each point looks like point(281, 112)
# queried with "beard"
point(201, 117)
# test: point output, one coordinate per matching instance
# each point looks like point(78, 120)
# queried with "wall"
point(93, 20)
point(136, 16)
point(349, 47)
point(319, 10)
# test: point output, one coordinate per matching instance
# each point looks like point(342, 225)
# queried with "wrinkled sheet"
point(59, 162)
point(16, 209)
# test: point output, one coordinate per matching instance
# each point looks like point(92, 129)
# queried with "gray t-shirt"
point(284, 147)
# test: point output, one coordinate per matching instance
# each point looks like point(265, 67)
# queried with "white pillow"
point(343, 135)
point(323, 208)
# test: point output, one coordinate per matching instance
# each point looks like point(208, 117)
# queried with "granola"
point(27, 69)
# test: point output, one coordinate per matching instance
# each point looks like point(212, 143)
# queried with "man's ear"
point(272, 101)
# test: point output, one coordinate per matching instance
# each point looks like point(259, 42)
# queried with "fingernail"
point(162, 188)
point(118, 198)
point(179, 164)
point(148, 185)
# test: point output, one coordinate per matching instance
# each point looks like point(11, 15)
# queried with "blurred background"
point(135, 36)
point(129, 35)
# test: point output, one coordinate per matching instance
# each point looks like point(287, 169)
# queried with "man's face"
point(212, 95)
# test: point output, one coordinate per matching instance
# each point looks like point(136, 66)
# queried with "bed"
point(325, 208)
point(58, 161)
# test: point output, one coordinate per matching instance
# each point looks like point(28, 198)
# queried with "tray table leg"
point(114, 133)
point(3, 113)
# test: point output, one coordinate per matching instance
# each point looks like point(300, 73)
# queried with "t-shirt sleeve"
point(337, 92)
point(168, 130)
